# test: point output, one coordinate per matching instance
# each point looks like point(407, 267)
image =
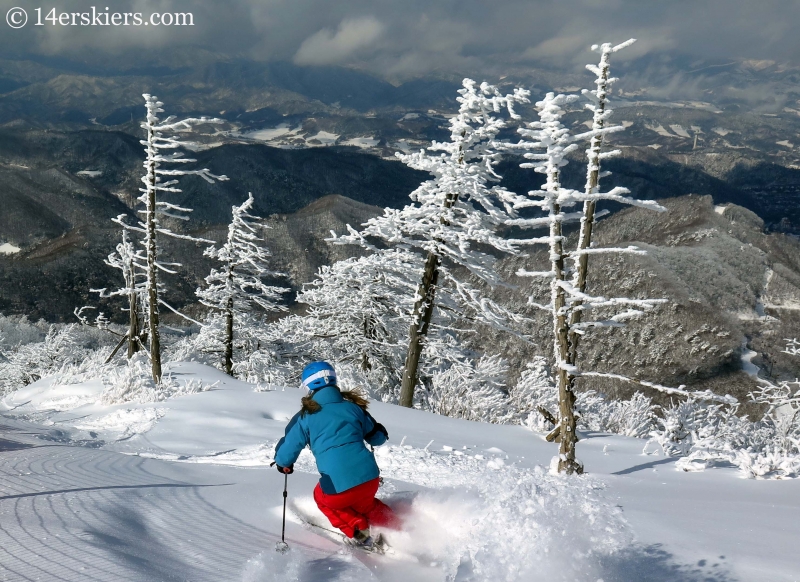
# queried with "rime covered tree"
point(360, 308)
point(594, 155)
point(460, 208)
point(547, 143)
point(239, 285)
point(124, 258)
point(163, 164)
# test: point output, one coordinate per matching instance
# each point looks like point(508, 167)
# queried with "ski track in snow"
point(192, 498)
point(472, 506)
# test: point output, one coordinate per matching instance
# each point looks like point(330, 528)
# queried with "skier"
point(335, 424)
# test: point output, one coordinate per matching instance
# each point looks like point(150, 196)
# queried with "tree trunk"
point(228, 341)
point(116, 349)
point(421, 319)
point(152, 276)
point(589, 208)
point(133, 324)
point(423, 308)
point(566, 397)
point(371, 334)
point(229, 337)
point(585, 236)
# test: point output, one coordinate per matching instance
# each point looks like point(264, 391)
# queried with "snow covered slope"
point(180, 490)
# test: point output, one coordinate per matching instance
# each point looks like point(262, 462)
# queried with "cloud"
point(401, 39)
point(554, 47)
point(326, 48)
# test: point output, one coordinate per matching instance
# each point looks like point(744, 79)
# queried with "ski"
point(379, 546)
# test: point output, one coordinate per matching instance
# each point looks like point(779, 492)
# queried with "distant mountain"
point(731, 288)
point(60, 218)
point(70, 157)
point(735, 121)
point(61, 188)
point(52, 278)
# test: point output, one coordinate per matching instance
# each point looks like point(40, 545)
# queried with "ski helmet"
point(317, 375)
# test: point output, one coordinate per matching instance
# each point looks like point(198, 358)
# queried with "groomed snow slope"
point(180, 490)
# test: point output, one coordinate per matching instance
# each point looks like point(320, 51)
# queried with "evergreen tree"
point(239, 285)
point(460, 208)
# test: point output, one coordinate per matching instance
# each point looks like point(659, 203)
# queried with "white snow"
point(270, 134)
point(8, 249)
point(324, 138)
point(361, 142)
point(403, 146)
point(90, 173)
point(720, 208)
point(785, 143)
point(679, 130)
point(654, 146)
point(182, 489)
point(721, 131)
point(659, 129)
point(672, 105)
point(747, 361)
point(283, 135)
point(127, 422)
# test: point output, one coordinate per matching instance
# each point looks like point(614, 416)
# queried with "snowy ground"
point(180, 490)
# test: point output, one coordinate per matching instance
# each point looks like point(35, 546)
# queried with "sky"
point(400, 39)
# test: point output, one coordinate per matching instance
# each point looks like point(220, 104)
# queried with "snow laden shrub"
point(254, 360)
point(705, 434)
point(205, 346)
point(134, 383)
point(63, 348)
point(633, 418)
point(768, 448)
point(267, 370)
point(473, 390)
point(773, 449)
point(536, 390)
point(17, 330)
point(770, 462)
point(350, 376)
point(686, 424)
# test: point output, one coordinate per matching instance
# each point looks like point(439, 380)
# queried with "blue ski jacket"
point(336, 435)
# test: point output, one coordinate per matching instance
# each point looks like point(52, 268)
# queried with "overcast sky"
point(404, 38)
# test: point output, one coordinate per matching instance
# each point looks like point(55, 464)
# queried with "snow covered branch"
point(679, 391)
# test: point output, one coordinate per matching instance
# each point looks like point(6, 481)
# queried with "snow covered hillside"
point(180, 489)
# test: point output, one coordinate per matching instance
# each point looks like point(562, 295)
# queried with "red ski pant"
point(355, 508)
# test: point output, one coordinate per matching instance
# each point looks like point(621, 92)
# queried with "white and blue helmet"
point(318, 375)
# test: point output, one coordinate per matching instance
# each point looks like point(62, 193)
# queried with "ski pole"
point(282, 546)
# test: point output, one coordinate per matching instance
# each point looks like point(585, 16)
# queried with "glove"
point(285, 470)
point(378, 427)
